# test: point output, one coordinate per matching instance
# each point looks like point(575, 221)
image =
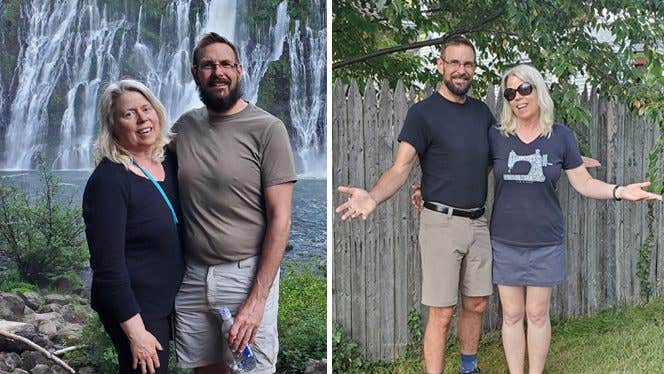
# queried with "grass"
point(623, 340)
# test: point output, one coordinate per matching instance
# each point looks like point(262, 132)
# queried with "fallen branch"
point(65, 350)
point(46, 353)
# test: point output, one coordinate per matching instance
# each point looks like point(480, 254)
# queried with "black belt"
point(472, 214)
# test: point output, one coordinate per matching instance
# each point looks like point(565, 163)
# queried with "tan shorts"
point(205, 289)
point(456, 256)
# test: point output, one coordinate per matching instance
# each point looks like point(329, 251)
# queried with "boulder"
point(32, 299)
point(69, 332)
point(31, 359)
point(46, 323)
point(19, 371)
point(65, 283)
point(316, 367)
point(42, 369)
point(11, 306)
point(51, 308)
point(9, 361)
point(72, 314)
point(57, 299)
point(19, 328)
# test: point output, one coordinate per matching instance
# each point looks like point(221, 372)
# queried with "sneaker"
point(476, 371)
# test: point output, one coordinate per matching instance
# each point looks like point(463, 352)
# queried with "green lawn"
point(625, 340)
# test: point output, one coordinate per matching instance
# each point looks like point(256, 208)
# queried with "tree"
point(564, 39)
point(39, 232)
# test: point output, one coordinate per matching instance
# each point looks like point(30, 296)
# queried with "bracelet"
point(615, 189)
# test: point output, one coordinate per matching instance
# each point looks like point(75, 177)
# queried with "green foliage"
point(10, 281)
point(414, 346)
point(345, 355)
point(302, 317)
point(97, 349)
point(40, 232)
point(558, 37)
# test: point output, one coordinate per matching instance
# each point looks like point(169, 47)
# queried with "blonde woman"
point(131, 210)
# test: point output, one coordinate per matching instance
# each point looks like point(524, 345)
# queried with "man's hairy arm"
point(248, 317)
point(362, 203)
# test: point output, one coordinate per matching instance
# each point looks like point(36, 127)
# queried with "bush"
point(41, 232)
point(346, 357)
point(10, 281)
point(97, 349)
point(302, 317)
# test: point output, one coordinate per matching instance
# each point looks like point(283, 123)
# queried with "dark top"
point(453, 147)
point(135, 253)
point(526, 210)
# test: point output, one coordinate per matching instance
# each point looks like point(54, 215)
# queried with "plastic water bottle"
point(242, 361)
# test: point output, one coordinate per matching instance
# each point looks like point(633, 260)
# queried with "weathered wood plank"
point(372, 233)
point(341, 261)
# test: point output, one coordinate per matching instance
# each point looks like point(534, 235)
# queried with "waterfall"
point(92, 43)
point(307, 101)
point(73, 47)
point(40, 66)
point(257, 54)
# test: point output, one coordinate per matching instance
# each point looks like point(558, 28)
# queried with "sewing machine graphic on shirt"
point(537, 163)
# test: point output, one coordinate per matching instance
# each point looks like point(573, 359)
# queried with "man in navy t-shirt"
point(448, 133)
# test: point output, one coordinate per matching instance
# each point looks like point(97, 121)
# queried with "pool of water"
point(308, 230)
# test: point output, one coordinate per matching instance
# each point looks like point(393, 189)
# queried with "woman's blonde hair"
point(107, 144)
point(527, 73)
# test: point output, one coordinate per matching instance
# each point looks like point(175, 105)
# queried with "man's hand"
point(360, 203)
point(416, 197)
point(245, 326)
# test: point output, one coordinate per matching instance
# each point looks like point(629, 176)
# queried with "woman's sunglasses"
point(524, 89)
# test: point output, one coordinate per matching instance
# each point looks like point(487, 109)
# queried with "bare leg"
point(514, 339)
point(539, 327)
point(435, 337)
point(212, 369)
point(470, 323)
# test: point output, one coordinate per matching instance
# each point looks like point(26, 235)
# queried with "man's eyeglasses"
point(212, 66)
point(524, 89)
point(468, 65)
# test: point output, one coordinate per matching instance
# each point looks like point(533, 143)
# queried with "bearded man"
point(236, 177)
point(448, 131)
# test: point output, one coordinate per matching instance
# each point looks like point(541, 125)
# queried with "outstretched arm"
point(362, 203)
point(588, 186)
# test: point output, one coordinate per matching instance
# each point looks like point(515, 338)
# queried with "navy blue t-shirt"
point(526, 210)
point(453, 147)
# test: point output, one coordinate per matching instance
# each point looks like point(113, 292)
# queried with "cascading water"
point(93, 42)
point(256, 55)
point(307, 101)
point(40, 66)
point(72, 48)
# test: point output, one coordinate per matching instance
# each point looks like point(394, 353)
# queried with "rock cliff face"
point(51, 321)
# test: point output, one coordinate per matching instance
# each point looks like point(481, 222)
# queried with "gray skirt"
point(528, 266)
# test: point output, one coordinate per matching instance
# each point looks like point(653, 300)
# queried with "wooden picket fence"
point(376, 267)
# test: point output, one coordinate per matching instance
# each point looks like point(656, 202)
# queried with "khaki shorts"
point(205, 289)
point(456, 256)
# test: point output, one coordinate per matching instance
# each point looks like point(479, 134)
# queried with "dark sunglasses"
point(524, 89)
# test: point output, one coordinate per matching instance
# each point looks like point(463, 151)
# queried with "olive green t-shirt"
point(225, 164)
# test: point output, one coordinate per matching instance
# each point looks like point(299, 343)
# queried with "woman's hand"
point(143, 345)
point(416, 197)
point(635, 192)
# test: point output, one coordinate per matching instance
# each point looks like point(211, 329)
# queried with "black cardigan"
point(135, 252)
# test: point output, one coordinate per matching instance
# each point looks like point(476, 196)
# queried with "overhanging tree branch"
point(415, 45)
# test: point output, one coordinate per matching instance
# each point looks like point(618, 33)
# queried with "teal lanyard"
point(163, 194)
